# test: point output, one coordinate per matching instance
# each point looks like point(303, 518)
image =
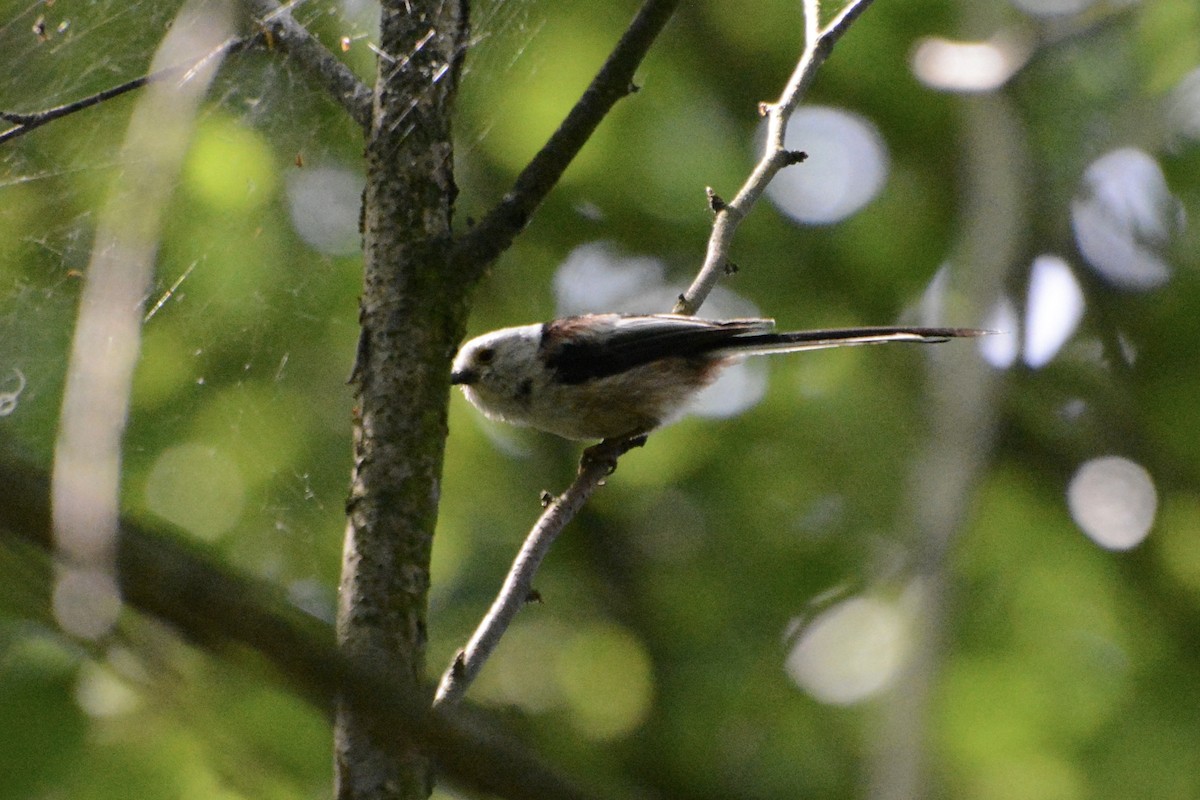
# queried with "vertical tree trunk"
point(412, 317)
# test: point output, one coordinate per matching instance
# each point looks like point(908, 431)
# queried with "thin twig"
point(24, 123)
point(598, 463)
point(775, 157)
point(484, 243)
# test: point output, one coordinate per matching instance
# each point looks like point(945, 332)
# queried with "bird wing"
point(579, 349)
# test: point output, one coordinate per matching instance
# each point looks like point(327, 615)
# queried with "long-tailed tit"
point(603, 376)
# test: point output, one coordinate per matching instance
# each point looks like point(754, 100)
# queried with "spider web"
point(238, 431)
point(239, 424)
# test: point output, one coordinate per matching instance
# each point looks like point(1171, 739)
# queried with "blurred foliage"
point(660, 656)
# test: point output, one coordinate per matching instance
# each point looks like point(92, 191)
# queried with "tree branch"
point(314, 58)
point(24, 123)
point(181, 584)
point(775, 157)
point(107, 338)
point(484, 243)
point(600, 461)
point(278, 29)
point(597, 464)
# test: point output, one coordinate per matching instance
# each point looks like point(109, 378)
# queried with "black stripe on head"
point(580, 349)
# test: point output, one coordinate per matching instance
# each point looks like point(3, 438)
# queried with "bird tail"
point(764, 343)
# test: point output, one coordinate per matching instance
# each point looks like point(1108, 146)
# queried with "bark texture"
point(412, 315)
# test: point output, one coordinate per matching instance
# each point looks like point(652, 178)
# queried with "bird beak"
point(463, 377)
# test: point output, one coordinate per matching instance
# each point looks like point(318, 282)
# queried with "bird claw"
point(606, 453)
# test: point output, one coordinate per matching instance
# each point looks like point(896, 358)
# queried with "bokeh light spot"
point(1001, 349)
point(954, 66)
point(1052, 8)
point(197, 488)
point(739, 387)
point(1114, 502)
point(86, 601)
point(1183, 107)
point(1124, 216)
point(230, 167)
point(100, 692)
point(605, 677)
point(1055, 307)
point(596, 278)
point(846, 168)
point(521, 673)
point(324, 205)
point(850, 651)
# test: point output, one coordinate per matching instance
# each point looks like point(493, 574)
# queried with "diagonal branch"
point(775, 157)
point(484, 243)
point(597, 464)
point(600, 461)
point(313, 57)
point(24, 123)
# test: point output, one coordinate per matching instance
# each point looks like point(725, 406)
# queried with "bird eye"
point(485, 355)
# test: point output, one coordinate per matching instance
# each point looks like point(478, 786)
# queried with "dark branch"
point(493, 235)
point(314, 58)
point(24, 123)
point(215, 608)
point(278, 30)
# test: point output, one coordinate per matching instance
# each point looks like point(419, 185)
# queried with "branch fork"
point(484, 242)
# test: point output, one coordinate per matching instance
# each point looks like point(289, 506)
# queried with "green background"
point(657, 660)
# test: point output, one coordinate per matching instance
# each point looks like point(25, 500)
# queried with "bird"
point(617, 376)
